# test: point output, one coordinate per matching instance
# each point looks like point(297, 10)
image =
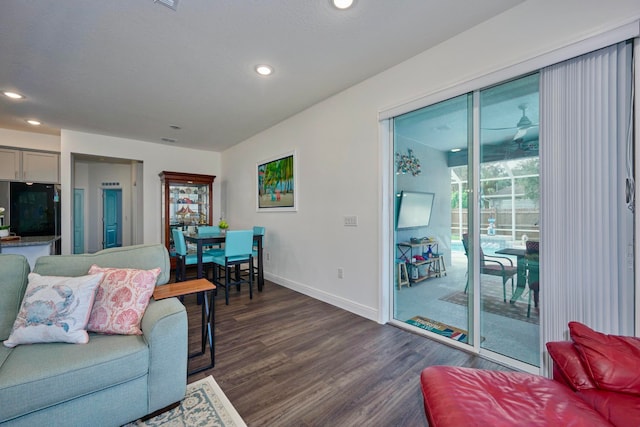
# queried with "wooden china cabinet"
point(187, 200)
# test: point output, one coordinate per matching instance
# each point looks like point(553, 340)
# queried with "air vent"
point(171, 4)
point(168, 140)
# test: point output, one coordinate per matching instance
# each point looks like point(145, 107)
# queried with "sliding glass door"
point(509, 217)
point(430, 289)
point(466, 224)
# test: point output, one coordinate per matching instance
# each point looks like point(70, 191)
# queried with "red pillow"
point(611, 360)
point(568, 363)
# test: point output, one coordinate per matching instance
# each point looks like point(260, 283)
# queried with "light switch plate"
point(350, 221)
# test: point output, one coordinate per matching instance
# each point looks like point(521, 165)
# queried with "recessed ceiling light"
point(342, 4)
point(171, 4)
point(168, 140)
point(13, 95)
point(175, 127)
point(33, 122)
point(264, 70)
point(455, 150)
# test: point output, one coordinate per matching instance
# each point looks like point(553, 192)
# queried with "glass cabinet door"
point(187, 202)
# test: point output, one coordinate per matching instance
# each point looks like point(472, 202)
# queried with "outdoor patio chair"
point(494, 266)
point(532, 258)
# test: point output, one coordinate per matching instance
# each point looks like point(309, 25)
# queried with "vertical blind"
point(586, 246)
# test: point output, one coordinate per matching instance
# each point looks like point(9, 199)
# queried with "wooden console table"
point(196, 286)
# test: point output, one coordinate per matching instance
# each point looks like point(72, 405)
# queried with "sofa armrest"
point(568, 367)
point(164, 327)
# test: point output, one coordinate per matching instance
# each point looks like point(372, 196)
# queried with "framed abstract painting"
point(276, 183)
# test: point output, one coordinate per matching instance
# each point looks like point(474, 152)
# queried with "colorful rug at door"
point(438, 328)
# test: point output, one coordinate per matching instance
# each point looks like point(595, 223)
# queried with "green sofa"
point(112, 380)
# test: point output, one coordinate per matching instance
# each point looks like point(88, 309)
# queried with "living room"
point(342, 159)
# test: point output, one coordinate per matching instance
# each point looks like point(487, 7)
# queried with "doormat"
point(438, 328)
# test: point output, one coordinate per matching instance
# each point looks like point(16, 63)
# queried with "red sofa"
point(596, 383)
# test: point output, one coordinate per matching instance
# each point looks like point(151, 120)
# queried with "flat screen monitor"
point(414, 209)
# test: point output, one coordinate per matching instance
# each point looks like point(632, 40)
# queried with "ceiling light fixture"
point(34, 122)
point(171, 4)
point(13, 95)
point(264, 70)
point(342, 4)
point(455, 150)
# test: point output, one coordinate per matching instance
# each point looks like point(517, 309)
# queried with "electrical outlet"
point(340, 272)
point(267, 256)
point(350, 221)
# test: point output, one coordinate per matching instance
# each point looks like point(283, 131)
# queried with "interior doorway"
point(78, 220)
point(111, 218)
point(94, 174)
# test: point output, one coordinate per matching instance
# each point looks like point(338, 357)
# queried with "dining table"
point(202, 239)
point(521, 281)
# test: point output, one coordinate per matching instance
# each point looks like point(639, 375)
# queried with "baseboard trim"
point(345, 304)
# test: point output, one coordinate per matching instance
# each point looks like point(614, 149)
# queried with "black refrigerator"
point(35, 209)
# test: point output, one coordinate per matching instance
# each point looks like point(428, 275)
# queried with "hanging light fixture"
point(407, 163)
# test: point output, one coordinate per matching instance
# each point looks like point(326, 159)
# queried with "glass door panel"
point(430, 184)
point(509, 217)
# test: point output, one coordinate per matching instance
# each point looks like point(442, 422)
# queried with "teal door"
point(112, 218)
point(78, 221)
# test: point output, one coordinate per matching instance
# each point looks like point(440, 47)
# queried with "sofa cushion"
point(455, 396)
point(54, 309)
point(39, 376)
point(611, 360)
point(621, 409)
point(568, 363)
point(4, 354)
point(13, 281)
point(121, 299)
point(144, 257)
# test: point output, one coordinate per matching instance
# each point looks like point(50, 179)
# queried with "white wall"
point(340, 154)
point(155, 157)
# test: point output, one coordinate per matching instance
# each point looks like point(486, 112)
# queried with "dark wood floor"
point(285, 359)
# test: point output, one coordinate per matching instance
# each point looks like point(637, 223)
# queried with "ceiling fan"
point(523, 125)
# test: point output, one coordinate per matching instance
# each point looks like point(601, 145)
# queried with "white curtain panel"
point(586, 246)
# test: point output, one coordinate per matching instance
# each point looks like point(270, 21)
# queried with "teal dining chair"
point(238, 247)
point(213, 249)
point(183, 258)
point(257, 231)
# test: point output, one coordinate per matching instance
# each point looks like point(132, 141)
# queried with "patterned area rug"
point(495, 305)
point(438, 328)
point(204, 406)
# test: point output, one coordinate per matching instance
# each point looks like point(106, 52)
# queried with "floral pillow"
point(54, 309)
point(121, 300)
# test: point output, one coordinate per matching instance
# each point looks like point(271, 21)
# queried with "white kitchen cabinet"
point(10, 164)
point(29, 166)
point(40, 167)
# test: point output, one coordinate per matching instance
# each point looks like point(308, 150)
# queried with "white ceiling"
point(133, 68)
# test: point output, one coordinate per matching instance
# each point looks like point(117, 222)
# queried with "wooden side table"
point(196, 286)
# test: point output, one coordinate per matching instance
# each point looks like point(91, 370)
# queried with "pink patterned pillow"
point(121, 300)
